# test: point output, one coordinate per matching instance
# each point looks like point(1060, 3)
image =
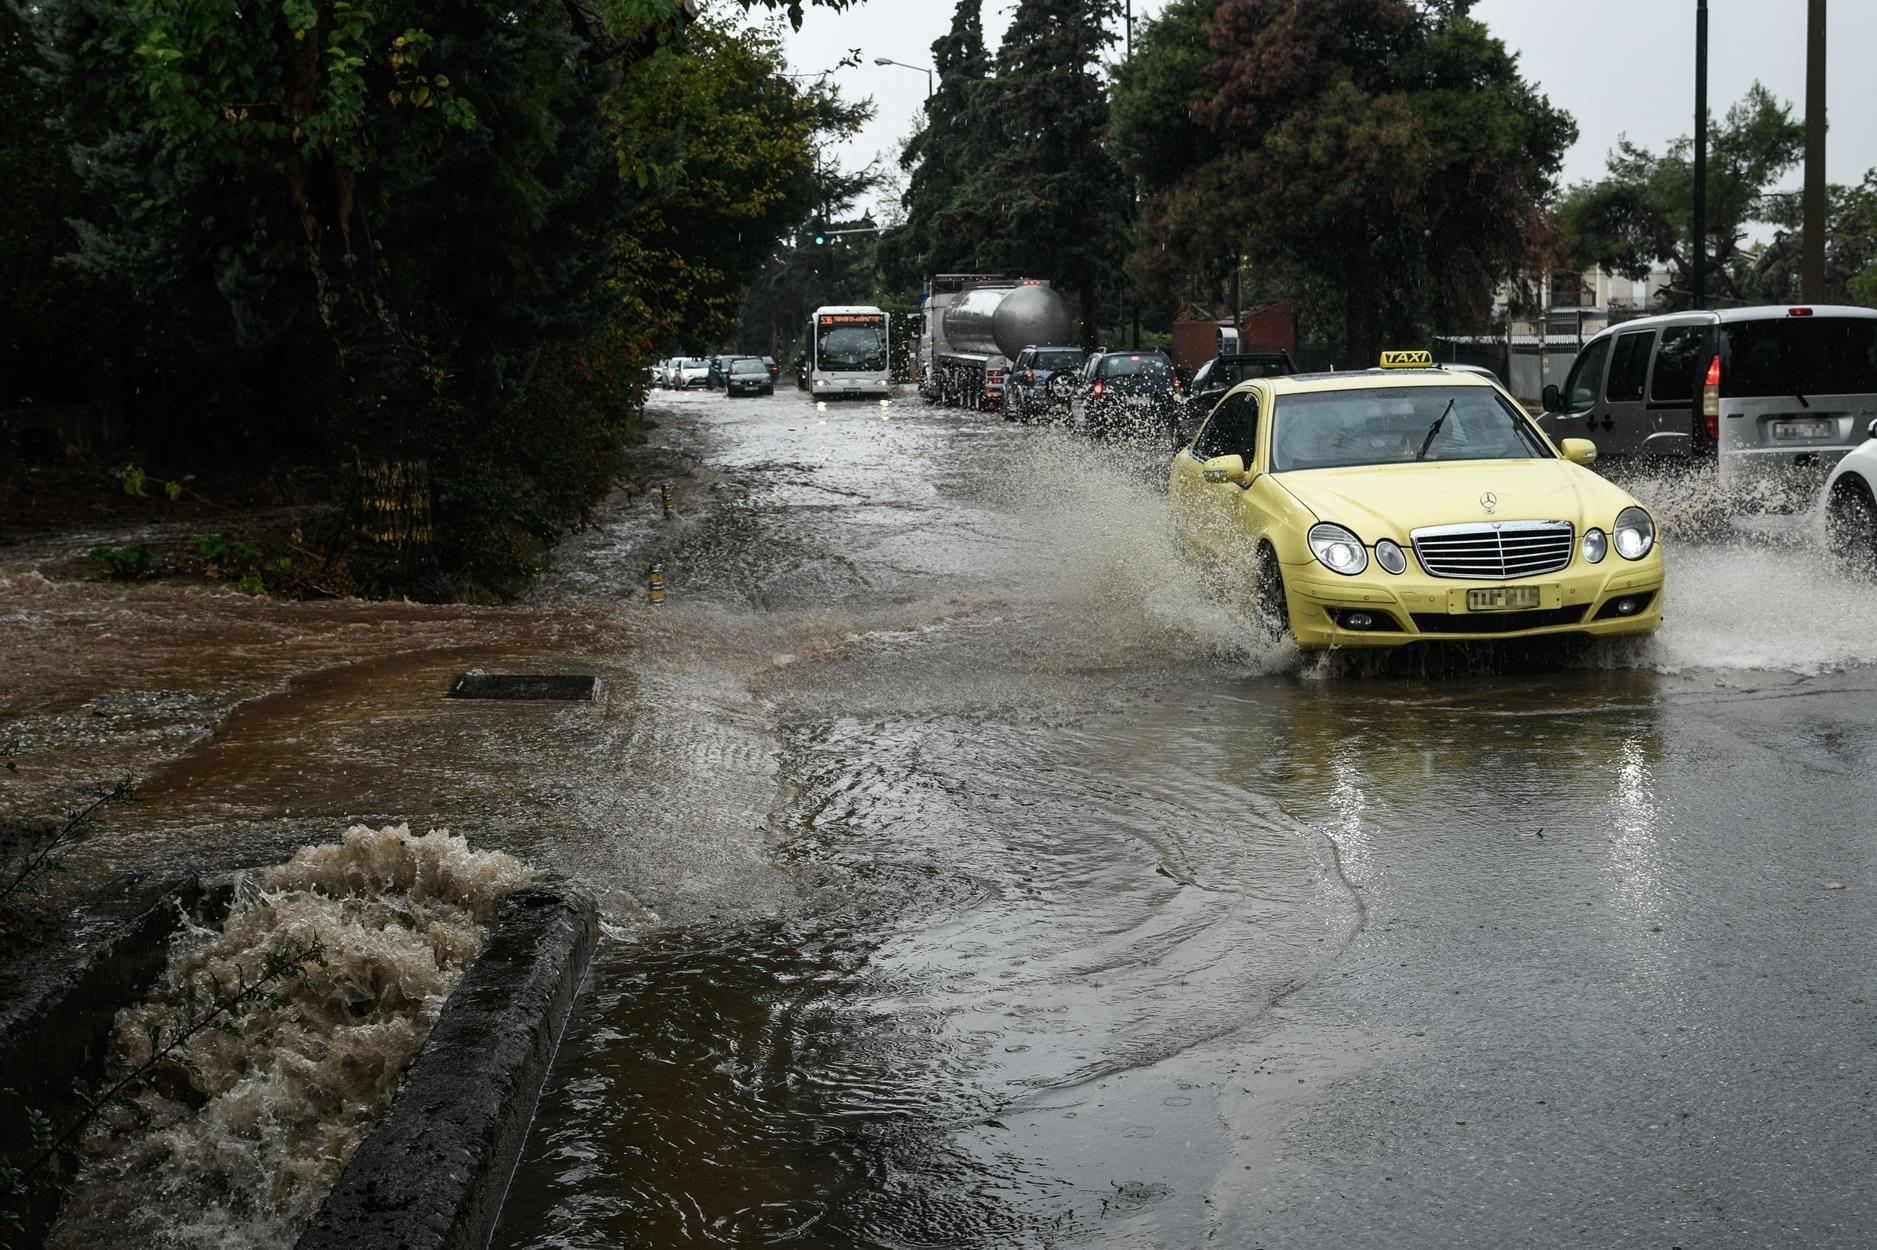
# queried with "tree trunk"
point(1362, 345)
point(388, 534)
point(1091, 316)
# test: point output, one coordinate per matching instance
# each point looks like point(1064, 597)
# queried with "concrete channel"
point(433, 1173)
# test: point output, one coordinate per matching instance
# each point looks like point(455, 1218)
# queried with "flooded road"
point(973, 880)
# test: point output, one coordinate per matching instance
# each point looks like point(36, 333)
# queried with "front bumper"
point(850, 386)
point(1414, 607)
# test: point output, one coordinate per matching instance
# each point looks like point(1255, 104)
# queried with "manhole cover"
point(552, 687)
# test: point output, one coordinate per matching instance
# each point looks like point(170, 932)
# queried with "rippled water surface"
point(974, 878)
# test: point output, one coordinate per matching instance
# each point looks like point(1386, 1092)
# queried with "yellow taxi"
point(1411, 503)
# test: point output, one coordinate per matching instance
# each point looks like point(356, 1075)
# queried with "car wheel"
point(1851, 527)
point(1272, 605)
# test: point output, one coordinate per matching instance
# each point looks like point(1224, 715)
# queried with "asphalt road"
point(1074, 911)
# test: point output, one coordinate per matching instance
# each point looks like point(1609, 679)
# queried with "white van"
point(1775, 393)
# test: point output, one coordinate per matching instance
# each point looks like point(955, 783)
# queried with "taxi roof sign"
point(1407, 360)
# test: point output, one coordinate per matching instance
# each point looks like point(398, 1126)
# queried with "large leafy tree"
point(1385, 156)
point(383, 215)
point(1773, 276)
point(1641, 213)
point(1059, 203)
point(1155, 135)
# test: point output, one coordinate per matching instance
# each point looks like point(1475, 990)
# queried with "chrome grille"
point(1497, 552)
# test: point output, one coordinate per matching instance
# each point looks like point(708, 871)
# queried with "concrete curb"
point(433, 1174)
point(57, 1024)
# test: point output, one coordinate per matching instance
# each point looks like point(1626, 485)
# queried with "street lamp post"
point(887, 60)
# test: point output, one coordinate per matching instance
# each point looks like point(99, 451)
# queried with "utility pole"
point(1701, 155)
point(1812, 260)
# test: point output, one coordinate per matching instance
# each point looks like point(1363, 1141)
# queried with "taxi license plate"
point(1802, 429)
point(1502, 598)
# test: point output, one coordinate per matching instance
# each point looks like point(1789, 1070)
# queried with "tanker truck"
point(975, 324)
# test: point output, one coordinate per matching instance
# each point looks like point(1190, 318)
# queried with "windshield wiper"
point(1802, 399)
point(1433, 431)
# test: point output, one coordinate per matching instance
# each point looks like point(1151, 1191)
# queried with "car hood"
point(1388, 501)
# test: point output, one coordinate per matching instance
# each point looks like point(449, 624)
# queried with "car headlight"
point(1596, 545)
point(1634, 533)
point(1338, 550)
point(1388, 554)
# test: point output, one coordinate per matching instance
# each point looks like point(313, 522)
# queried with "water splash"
point(239, 1151)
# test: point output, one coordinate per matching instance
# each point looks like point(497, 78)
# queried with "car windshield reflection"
point(1341, 429)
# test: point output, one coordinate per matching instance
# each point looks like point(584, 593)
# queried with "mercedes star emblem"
point(1490, 502)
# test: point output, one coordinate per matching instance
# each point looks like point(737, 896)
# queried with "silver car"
point(1776, 395)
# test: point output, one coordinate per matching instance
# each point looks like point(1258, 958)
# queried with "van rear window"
point(1800, 355)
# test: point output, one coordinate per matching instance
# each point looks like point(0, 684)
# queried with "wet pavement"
point(974, 880)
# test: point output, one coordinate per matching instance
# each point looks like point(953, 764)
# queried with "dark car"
point(748, 375)
point(1041, 382)
point(775, 370)
point(1131, 395)
point(1221, 374)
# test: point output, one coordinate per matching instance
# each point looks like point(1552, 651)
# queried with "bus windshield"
point(851, 347)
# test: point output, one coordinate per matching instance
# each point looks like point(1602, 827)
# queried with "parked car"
point(1129, 394)
point(748, 375)
point(692, 371)
point(1848, 506)
point(1221, 374)
point(1041, 382)
point(775, 370)
point(1775, 396)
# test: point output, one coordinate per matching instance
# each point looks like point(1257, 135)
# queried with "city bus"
point(847, 352)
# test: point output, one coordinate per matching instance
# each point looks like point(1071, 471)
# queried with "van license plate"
point(1502, 599)
point(1803, 429)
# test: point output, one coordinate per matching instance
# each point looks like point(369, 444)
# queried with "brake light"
point(1029, 375)
point(1798, 312)
point(1097, 388)
point(1711, 400)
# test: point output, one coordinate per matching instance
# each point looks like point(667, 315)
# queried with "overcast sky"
point(1618, 66)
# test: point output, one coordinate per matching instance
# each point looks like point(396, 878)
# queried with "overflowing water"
point(978, 876)
point(236, 1147)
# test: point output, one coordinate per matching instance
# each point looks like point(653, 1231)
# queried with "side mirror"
point(1224, 469)
point(1553, 401)
point(1579, 451)
point(1871, 429)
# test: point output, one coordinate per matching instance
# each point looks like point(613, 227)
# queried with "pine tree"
point(945, 224)
point(1059, 201)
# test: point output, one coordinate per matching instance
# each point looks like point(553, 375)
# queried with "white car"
point(1849, 504)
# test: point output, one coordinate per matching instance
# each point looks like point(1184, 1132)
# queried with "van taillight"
point(1711, 400)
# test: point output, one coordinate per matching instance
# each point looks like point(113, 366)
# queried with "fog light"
point(1626, 607)
point(1358, 620)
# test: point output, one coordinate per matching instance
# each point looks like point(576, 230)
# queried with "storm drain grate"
point(541, 687)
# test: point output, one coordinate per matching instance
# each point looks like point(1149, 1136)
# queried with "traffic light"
point(818, 235)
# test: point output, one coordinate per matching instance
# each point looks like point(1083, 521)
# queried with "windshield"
point(748, 366)
point(1800, 355)
point(1129, 366)
point(1389, 425)
point(852, 348)
point(1058, 360)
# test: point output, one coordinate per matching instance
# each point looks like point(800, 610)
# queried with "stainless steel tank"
point(1002, 321)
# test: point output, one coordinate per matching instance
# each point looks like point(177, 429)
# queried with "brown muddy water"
point(972, 879)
